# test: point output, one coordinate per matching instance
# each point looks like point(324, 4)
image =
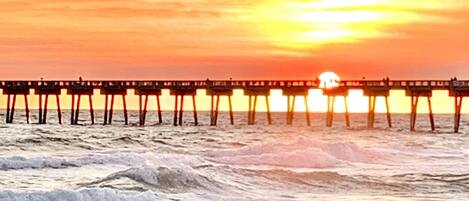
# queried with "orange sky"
point(162, 39)
point(242, 39)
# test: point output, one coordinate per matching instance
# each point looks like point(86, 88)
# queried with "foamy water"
point(240, 162)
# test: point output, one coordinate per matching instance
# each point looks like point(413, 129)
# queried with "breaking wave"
point(165, 179)
point(302, 153)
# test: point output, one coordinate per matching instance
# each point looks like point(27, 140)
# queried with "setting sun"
point(329, 80)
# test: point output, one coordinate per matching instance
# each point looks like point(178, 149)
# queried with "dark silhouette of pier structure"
point(217, 89)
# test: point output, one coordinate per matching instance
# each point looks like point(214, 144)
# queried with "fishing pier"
point(217, 89)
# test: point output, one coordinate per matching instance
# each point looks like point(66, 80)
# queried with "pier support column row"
point(179, 110)
point(75, 108)
point(214, 109)
point(372, 111)
point(330, 111)
point(43, 109)
point(413, 113)
point(142, 110)
point(291, 109)
point(11, 101)
point(108, 112)
point(252, 109)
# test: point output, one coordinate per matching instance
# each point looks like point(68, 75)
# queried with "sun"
point(329, 80)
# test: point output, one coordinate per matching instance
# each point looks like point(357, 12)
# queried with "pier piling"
point(59, 112)
point(12, 114)
point(373, 91)
point(291, 91)
point(331, 94)
point(76, 90)
point(44, 117)
point(215, 91)
point(114, 88)
point(13, 89)
point(457, 114)
point(26, 108)
point(186, 89)
point(415, 92)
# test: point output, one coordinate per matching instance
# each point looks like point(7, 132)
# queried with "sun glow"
point(309, 24)
point(329, 80)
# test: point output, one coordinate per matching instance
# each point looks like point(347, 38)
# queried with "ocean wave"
point(319, 181)
point(102, 194)
point(302, 153)
point(462, 179)
point(165, 179)
point(20, 162)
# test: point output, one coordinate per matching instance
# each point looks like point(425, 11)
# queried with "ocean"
point(233, 162)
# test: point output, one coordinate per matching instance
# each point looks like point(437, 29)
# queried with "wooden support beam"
point(212, 105)
point(215, 118)
point(250, 110)
point(430, 113)
point(77, 110)
point(175, 119)
point(292, 110)
point(413, 113)
point(7, 119)
point(59, 112)
point(328, 115)
point(143, 109)
point(194, 108)
point(330, 110)
point(140, 110)
point(26, 107)
point(12, 112)
point(231, 111)
point(90, 99)
point(388, 112)
point(181, 110)
point(72, 110)
point(44, 117)
point(347, 115)
point(160, 119)
point(457, 112)
point(269, 116)
point(40, 109)
point(371, 111)
point(372, 100)
point(126, 116)
point(288, 110)
point(106, 101)
point(254, 106)
point(111, 109)
point(308, 120)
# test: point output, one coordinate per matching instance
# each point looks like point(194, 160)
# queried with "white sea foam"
point(301, 153)
point(102, 194)
point(20, 162)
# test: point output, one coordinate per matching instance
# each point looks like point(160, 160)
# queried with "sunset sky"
point(237, 38)
point(242, 39)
